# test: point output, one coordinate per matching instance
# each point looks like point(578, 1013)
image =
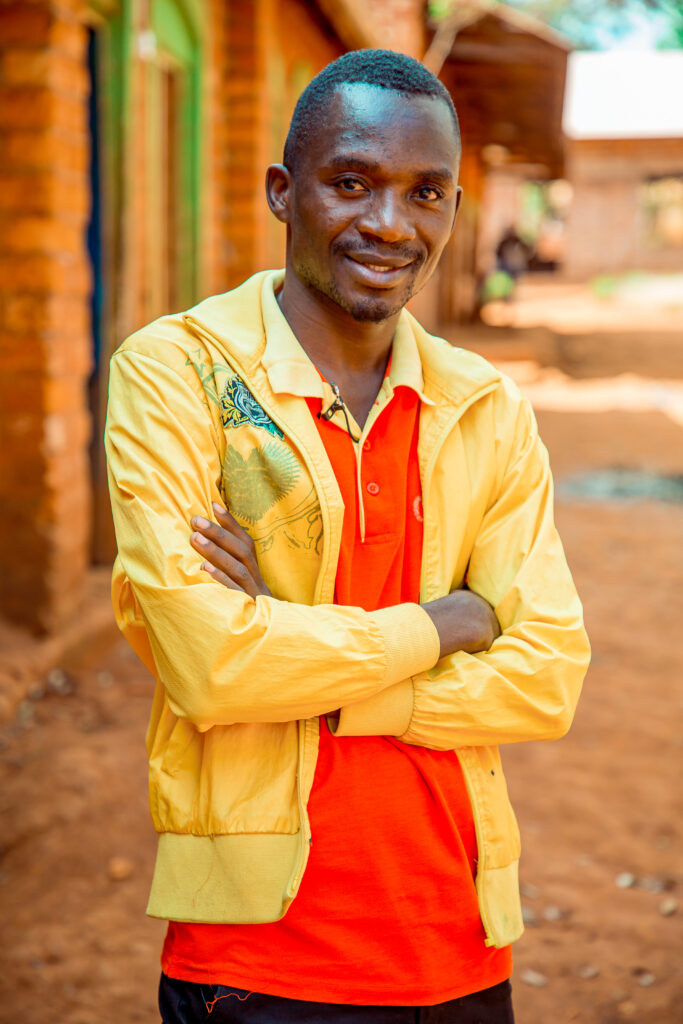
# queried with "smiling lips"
point(380, 272)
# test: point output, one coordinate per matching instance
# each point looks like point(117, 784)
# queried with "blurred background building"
point(624, 126)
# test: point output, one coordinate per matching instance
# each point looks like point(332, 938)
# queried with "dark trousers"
point(185, 1002)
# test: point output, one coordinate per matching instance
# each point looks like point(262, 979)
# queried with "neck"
point(340, 346)
point(351, 353)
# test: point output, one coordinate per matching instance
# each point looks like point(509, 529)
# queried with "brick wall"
point(44, 312)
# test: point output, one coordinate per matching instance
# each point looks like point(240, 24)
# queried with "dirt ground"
point(600, 811)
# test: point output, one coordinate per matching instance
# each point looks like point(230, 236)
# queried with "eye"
point(429, 193)
point(350, 185)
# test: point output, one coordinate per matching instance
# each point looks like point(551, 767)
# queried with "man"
point(373, 596)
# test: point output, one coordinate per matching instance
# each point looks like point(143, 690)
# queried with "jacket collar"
point(290, 370)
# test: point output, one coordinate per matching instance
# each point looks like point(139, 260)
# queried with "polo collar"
point(290, 370)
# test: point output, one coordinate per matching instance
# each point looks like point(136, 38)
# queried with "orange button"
point(367, 446)
point(372, 488)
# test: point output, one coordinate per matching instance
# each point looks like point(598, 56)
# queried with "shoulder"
point(166, 340)
point(202, 344)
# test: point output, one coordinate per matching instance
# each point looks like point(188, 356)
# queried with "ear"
point(458, 200)
point(278, 190)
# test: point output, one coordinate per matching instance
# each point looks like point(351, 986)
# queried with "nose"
point(385, 217)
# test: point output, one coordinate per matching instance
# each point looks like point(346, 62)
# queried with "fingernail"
point(217, 508)
point(197, 537)
point(201, 522)
point(207, 567)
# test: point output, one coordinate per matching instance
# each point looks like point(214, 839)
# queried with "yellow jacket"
point(207, 406)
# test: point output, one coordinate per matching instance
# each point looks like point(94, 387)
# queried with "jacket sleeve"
point(526, 686)
point(222, 656)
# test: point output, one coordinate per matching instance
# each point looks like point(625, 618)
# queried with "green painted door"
point(173, 139)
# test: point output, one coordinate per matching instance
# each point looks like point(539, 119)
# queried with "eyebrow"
point(441, 176)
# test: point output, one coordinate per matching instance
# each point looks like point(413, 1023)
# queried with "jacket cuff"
point(411, 641)
point(387, 713)
point(412, 645)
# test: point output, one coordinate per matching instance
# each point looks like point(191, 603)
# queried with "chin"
point(373, 311)
point(369, 308)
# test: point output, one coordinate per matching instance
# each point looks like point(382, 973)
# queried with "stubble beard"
point(366, 310)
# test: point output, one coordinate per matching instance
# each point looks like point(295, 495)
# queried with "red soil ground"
point(604, 802)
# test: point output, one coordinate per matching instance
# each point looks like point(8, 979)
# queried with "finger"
point(221, 577)
point(216, 554)
point(231, 538)
point(227, 520)
point(233, 567)
point(229, 541)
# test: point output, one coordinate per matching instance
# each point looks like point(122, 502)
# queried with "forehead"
point(385, 127)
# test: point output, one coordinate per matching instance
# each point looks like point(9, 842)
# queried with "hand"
point(229, 552)
point(464, 622)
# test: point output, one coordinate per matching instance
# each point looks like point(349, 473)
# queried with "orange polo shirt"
point(387, 910)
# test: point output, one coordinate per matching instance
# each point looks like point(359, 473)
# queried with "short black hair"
point(384, 68)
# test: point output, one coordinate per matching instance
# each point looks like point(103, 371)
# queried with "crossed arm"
point(463, 620)
point(233, 653)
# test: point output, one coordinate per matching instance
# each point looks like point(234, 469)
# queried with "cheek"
point(436, 237)
point(323, 219)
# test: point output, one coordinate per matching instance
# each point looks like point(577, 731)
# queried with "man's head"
point(381, 68)
point(368, 188)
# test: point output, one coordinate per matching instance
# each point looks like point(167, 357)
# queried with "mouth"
point(379, 271)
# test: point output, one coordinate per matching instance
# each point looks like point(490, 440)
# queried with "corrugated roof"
point(624, 94)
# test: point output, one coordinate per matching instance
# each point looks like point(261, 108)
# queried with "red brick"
point(69, 354)
point(23, 481)
point(33, 67)
point(44, 191)
point(66, 433)
point(70, 507)
point(39, 107)
point(25, 314)
point(62, 394)
point(20, 355)
point(26, 192)
point(26, 108)
point(22, 428)
point(19, 394)
point(43, 150)
point(68, 276)
point(25, 24)
point(69, 38)
point(41, 235)
point(59, 353)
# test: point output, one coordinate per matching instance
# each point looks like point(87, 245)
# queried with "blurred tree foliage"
point(594, 24)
